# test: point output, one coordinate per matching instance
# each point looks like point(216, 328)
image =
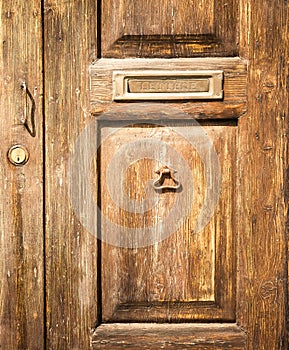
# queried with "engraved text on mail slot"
point(168, 85)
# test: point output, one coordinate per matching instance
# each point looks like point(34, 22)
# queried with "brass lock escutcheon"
point(18, 155)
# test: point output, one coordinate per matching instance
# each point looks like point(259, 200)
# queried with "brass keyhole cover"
point(18, 155)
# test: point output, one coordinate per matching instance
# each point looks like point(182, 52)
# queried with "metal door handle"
point(30, 127)
point(166, 173)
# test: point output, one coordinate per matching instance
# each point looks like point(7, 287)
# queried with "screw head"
point(18, 155)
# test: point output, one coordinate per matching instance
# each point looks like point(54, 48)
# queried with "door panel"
point(169, 28)
point(185, 275)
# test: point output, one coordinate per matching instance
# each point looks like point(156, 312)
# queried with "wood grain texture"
point(70, 46)
point(263, 138)
point(235, 87)
point(21, 190)
point(166, 28)
point(186, 275)
point(170, 336)
point(261, 207)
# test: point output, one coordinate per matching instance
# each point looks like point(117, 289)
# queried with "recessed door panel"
point(164, 266)
point(169, 28)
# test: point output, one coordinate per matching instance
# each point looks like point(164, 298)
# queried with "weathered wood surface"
point(189, 275)
point(21, 190)
point(262, 189)
point(70, 35)
point(232, 106)
point(70, 46)
point(169, 336)
point(169, 28)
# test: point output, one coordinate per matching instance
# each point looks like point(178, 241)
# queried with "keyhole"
point(18, 155)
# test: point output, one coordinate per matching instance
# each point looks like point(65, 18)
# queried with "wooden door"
point(21, 193)
point(164, 179)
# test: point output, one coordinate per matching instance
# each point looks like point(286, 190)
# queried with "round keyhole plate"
point(18, 155)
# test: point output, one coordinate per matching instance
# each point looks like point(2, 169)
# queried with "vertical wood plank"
point(263, 160)
point(70, 46)
point(21, 193)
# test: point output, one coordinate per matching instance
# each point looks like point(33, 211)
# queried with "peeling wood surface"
point(71, 252)
point(21, 190)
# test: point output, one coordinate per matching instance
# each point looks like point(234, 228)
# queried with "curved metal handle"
point(28, 97)
point(166, 173)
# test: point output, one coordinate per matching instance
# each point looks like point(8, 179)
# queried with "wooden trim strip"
point(171, 336)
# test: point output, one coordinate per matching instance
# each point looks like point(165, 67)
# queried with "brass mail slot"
point(167, 85)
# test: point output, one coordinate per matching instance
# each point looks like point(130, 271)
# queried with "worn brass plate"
point(167, 85)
